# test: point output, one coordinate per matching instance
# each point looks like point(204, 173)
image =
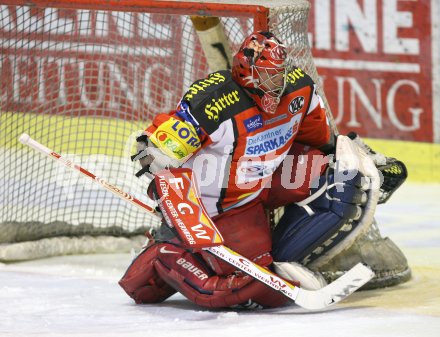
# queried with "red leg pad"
point(189, 274)
point(142, 283)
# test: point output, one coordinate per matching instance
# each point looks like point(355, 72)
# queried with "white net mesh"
point(83, 83)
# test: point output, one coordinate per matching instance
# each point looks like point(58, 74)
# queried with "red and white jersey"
point(241, 146)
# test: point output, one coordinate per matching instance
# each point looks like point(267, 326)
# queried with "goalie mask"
point(260, 67)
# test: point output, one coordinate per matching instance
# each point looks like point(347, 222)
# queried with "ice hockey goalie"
point(257, 140)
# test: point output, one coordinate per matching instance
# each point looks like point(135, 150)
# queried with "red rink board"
point(86, 64)
point(375, 59)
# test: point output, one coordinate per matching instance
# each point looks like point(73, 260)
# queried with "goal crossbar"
point(257, 12)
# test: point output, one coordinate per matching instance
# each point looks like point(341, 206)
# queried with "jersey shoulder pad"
point(296, 79)
point(205, 86)
point(216, 99)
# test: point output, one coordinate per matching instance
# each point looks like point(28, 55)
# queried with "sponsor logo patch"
point(275, 119)
point(195, 88)
point(192, 268)
point(253, 123)
point(272, 139)
point(176, 138)
point(295, 75)
point(183, 111)
point(163, 250)
point(296, 104)
point(217, 105)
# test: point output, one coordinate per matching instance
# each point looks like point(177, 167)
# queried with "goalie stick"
point(307, 299)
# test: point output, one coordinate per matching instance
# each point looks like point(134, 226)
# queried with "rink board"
point(93, 135)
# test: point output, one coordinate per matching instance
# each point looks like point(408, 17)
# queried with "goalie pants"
point(166, 267)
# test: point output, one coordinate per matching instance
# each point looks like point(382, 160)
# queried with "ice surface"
point(79, 295)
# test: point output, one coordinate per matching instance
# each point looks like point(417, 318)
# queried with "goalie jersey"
point(238, 146)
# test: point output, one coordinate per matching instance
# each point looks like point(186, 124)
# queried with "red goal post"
point(83, 77)
point(250, 9)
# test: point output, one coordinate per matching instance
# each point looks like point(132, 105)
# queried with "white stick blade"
point(336, 291)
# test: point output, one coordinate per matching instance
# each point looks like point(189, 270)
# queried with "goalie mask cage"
point(83, 77)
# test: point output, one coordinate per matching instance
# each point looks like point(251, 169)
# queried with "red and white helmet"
point(260, 66)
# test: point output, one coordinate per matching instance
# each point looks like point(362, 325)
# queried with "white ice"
point(79, 295)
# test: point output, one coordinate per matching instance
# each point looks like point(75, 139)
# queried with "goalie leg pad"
point(188, 274)
point(141, 281)
point(164, 268)
point(312, 227)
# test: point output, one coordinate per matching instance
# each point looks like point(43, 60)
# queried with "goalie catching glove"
point(168, 146)
point(393, 171)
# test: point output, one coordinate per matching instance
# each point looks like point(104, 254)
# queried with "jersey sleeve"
point(181, 113)
point(315, 130)
point(173, 128)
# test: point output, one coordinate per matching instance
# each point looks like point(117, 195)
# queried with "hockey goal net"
point(83, 77)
